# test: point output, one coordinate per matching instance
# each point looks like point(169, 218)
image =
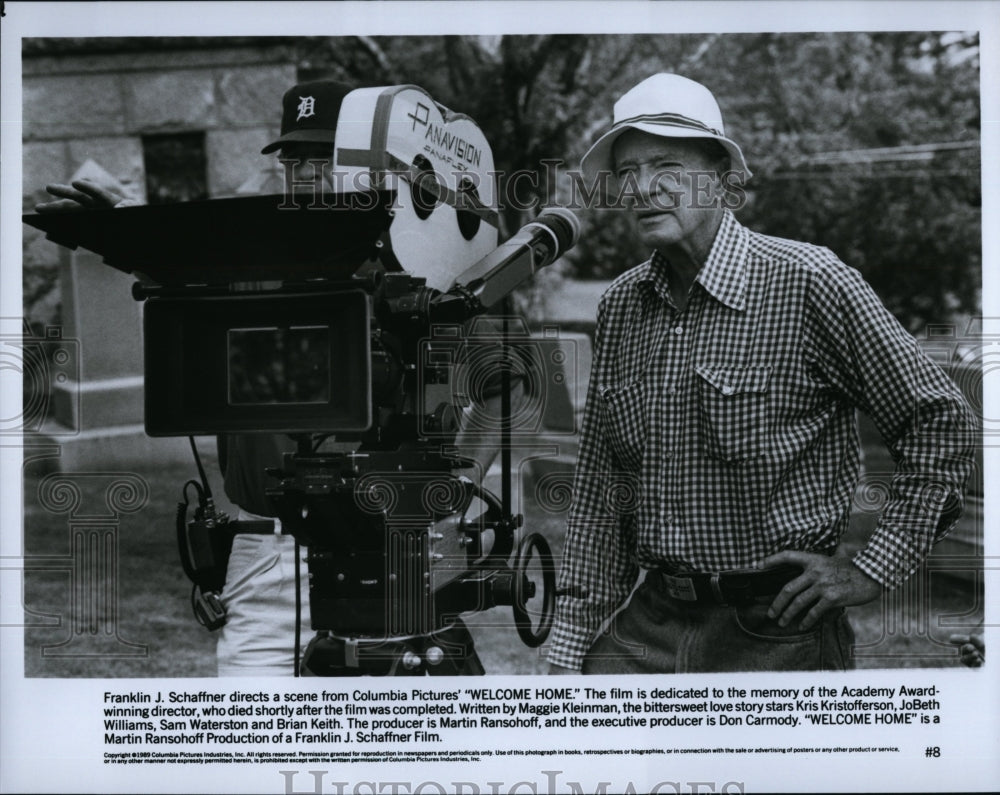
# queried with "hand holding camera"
point(82, 194)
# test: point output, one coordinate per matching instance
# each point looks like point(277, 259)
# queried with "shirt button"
point(727, 390)
point(678, 330)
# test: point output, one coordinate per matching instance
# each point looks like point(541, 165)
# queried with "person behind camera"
point(728, 368)
point(262, 603)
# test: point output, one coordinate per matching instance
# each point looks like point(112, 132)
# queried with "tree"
point(911, 226)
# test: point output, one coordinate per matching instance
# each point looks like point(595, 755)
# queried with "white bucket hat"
point(666, 105)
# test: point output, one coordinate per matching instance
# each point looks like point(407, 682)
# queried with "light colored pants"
point(656, 633)
point(258, 638)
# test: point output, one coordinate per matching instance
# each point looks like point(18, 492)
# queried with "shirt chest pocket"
point(733, 410)
point(623, 414)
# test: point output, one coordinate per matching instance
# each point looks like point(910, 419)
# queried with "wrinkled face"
point(673, 187)
point(311, 166)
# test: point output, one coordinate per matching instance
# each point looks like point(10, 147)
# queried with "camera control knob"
point(411, 660)
point(434, 655)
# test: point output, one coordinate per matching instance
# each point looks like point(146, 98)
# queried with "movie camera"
point(346, 317)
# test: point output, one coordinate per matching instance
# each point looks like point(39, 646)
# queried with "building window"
point(175, 167)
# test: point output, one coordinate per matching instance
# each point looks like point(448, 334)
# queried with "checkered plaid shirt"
point(720, 434)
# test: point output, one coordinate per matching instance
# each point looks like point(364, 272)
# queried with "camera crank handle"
point(533, 544)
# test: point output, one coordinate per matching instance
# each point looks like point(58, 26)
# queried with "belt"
point(736, 587)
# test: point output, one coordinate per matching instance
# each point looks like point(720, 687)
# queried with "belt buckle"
point(680, 588)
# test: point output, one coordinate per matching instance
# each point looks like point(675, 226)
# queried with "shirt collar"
point(724, 274)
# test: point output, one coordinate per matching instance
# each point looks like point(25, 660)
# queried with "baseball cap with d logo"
point(669, 106)
point(309, 113)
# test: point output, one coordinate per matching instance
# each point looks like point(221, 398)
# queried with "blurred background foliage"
point(863, 142)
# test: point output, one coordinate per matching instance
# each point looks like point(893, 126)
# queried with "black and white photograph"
point(498, 397)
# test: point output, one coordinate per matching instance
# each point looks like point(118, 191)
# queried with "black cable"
point(197, 487)
point(180, 520)
point(201, 469)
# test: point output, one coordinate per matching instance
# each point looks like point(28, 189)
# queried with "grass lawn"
point(139, 622)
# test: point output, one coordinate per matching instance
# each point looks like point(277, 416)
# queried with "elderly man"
point(727, 371)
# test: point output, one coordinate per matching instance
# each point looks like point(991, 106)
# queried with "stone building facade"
point(110, 101)
point(162, 119)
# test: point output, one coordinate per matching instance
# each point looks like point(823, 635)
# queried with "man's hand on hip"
point(825, 583)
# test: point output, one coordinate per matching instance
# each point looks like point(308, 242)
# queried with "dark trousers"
point(656, 633)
